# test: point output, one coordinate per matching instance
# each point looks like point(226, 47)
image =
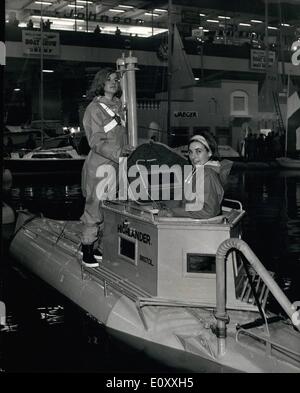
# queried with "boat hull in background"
point(288, 163)
point(8, 214)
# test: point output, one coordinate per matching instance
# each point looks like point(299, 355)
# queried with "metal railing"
point(221, 257)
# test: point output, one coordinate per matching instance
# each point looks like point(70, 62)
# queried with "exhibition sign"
point(32, 42)
point(258, 59)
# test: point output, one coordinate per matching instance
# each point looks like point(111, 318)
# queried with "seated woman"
point(210, 176)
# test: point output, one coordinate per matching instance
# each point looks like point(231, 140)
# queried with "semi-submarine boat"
point(190, 293)
point(180, 289)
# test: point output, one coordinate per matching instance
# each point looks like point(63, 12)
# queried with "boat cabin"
point(169, 257)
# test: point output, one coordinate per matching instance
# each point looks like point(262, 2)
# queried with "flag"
point(293, 120)
point(271, 85)
point(182, 74)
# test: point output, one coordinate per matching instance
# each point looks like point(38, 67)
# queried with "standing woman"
point(105, 131)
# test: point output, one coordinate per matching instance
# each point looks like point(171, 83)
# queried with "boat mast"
point(281, 51)
point(170, 67)
point(42, 76)
point(287, 119)
point(284, 83)
point(267, 96)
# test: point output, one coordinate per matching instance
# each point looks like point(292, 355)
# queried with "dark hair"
point(212, 143)
point(97, 85)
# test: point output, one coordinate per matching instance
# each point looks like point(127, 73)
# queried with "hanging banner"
point(258, 59)
point(32, 43)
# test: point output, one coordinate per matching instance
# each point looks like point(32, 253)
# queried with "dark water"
point(47, 333)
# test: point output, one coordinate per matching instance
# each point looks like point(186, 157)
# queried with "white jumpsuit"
point(106, 148)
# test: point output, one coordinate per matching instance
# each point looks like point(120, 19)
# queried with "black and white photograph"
point(150, 190)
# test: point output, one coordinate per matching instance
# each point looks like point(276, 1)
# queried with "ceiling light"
point(272, 28)
point(84, 2)
point(49, 71)
point(160, 10)
point(115, 10)
point(151, 14)
point(125, 6)
point(212, 21)
point(256, 21)
point(43, 2)
point(63, 23)
point(77, 6)
point(17, 89)
point(285, 24)
point(223, 17)
point(202, 14)
point(244, 24)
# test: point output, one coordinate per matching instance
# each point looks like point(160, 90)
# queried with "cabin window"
point(199, 263)
point(127, 249)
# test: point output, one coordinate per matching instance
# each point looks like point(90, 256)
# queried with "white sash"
point(113, 123)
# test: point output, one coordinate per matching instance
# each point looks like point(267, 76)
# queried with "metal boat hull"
point(180, 337)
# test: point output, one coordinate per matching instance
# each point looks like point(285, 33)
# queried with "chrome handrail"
point(221, 257)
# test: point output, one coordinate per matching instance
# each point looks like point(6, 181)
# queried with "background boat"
point(8, 214)
point(58, 160)
point(288, 163)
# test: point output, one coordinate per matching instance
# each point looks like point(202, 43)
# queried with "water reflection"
point(60, 201)
point(52, 314)
point(272, 224)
